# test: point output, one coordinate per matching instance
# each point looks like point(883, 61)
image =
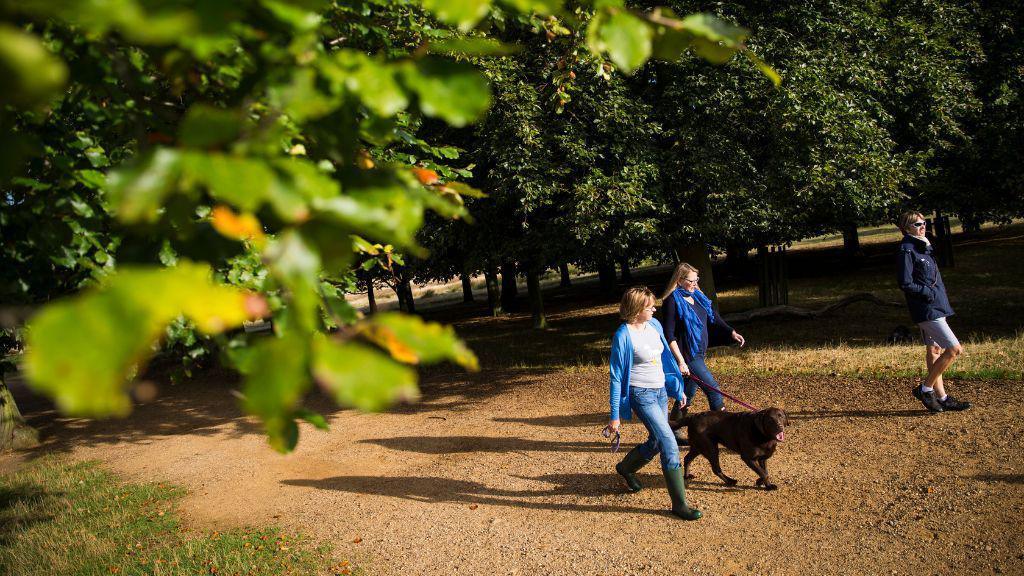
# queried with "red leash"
point(729, 396)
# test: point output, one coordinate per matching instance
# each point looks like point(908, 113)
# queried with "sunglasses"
point(918, 224)
point(615, 441)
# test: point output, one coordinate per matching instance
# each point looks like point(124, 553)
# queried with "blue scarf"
point(693, 324)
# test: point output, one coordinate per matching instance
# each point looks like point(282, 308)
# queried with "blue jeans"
point(651, 405)
point(699, 369)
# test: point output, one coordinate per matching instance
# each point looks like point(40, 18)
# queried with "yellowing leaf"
point(388, 340)
point(82, 351)
point(410, 336)
point(426, 176)
point(243, 226)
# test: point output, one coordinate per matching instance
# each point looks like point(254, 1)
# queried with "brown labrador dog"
point(752, 435)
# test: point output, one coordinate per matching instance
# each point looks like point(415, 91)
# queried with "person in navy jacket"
point(919, 278)
point(643, 373)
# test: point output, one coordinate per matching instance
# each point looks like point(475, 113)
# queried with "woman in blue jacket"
point(643, 375)
point(919, 278)
point(691, 323)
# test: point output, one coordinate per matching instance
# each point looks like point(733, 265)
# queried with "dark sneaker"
point(927, 398)
point(951, 403)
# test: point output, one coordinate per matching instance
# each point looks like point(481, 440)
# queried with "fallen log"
point(797, 312)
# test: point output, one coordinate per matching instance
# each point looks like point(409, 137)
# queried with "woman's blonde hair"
point(681, 270)
point(634, 301)
point(908, 218)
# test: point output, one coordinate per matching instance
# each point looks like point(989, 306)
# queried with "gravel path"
point(506, 473)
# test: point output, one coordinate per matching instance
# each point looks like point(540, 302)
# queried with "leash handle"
point(727, 395)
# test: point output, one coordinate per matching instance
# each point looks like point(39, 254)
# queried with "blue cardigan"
point(622, 360)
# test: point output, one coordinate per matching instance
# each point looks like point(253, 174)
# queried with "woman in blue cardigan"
point(691, 323)
point(643, 375)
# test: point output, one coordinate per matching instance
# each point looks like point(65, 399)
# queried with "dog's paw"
point(729, 481)
point(770, 486)
point(689, 476)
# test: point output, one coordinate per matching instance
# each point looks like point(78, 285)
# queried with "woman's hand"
point(683, 368)
point(739, 338)
point(613, 427)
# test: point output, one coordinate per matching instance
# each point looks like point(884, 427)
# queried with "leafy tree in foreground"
point(239, 153)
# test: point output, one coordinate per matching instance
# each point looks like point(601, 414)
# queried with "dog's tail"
point(678, 416)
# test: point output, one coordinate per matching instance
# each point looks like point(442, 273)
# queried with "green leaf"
point(209, 127)
point(314, 418)
point(97, 157)
point(83, 350)
point(371, 79)
point(137, 192)
point(386, 209)
point(625, 38)
point(301, 18)
point(413, 340)
point(296, 265)
point(277, 377)
point(360, 377)
point(32, 75)
point(461, 13)
point(301, 99)
point(714, 39)
point(456, 92)
point(764, 68)
point(542, 7)
point(472, 47)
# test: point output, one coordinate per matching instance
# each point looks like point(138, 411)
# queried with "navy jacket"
point(919, 278)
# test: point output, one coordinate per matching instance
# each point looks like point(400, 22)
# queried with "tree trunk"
point(773, 287)
point(696, 254)
point(851, 243)
point(493, 291)
point(405, 301)
point(467, 288)
point(627, 274)
point(606, 276)
point(536, 298)
point(970, 223)
point(370, 298)
point(566, 282)
point(15, 434)
point(509, 290)
point(736, 259)
point(943, 240)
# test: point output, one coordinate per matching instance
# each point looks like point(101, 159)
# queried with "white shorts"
point(938, 333)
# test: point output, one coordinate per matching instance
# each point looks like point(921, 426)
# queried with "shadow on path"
point(446, 490)
point(499, 444)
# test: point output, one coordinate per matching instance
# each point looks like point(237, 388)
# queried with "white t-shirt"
point(646, 371)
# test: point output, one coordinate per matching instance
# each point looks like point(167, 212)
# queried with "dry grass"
point(1001, 358)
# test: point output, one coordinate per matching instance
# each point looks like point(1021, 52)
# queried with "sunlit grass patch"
point(75, 518)
point(1001, 358)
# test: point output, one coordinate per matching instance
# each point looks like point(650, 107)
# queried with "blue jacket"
point(719, 333)
point(621, 362)
point(919, 278)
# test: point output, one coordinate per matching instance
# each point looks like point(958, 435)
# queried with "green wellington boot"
point(677, 491)
point(628, 467)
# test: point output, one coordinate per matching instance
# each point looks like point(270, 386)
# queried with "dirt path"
point(505, 473)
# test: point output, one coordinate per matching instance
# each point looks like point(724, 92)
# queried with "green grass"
point(75, 518)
